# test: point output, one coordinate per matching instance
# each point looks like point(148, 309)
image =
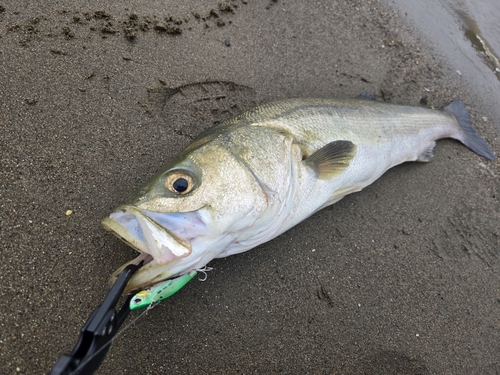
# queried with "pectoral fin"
point(332, 159)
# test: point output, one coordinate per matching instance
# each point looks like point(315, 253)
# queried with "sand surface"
point(401, 278)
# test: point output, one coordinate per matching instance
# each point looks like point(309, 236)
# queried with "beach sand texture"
point(401, 278)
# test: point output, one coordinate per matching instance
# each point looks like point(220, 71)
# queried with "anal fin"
point(427, 155)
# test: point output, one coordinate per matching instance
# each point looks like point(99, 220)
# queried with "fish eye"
point(179, 183)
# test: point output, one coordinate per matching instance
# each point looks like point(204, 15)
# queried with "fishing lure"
point(159, 292)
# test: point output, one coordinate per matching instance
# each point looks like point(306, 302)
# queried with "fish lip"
point(183, 229)
point(138, 230)
point(149, 274)
point(114, 226)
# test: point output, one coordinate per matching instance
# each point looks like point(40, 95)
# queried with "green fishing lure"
point(160, 291)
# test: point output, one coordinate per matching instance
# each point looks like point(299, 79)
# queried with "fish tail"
point(468, 135)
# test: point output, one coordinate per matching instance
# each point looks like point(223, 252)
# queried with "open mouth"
point(143, 233)
point(163, 239)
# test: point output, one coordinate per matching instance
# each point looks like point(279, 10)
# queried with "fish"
point(249, 179)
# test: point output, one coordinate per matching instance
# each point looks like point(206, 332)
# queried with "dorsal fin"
point(365, 95)
point(332, 159)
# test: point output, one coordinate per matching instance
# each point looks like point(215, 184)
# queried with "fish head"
point(188, 213)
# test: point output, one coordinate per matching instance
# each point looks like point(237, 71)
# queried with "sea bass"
point(251, 178)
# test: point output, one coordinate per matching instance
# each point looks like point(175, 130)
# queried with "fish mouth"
point(143, 233)
point(163, 239)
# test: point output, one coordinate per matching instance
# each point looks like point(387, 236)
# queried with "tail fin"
point(470, 136)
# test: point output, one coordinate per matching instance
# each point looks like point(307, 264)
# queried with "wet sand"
point(401, 278)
